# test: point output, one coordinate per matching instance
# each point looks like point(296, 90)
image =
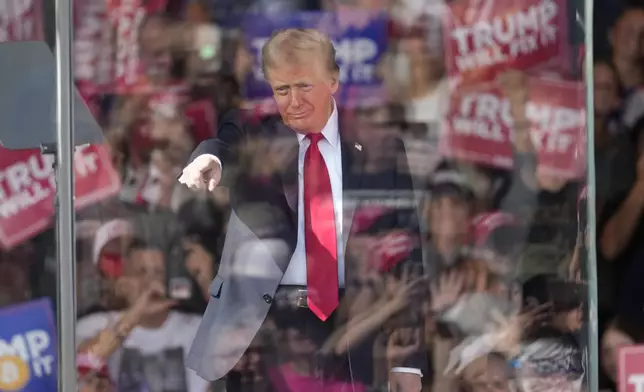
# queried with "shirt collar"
point(330, 130)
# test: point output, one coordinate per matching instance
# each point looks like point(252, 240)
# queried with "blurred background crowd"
point(488, 97)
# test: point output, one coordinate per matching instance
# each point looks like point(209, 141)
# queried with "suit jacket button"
point(267, 298)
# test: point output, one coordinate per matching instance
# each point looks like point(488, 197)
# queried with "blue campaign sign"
point(359, 37)
point(28, 348)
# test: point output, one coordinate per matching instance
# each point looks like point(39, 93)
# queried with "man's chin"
point(299, 125)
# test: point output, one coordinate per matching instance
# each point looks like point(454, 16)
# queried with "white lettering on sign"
point(490, 42)
point(485, 115)
point(31, 347)
point(26, 183)
point(92, 58)
point(355, 50)
point(480, 117)
point(637, 380)
point(352, 54)
point(555, 118)
point(130, 17)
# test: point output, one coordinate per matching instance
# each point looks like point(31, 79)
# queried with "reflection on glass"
point(334, 196)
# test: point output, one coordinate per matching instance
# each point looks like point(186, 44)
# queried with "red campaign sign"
point(483, 39)
point(631, 369)
point(126, 17)
point(21, 20)
point(478, 126)
point(557, 112)
point(93, 48)
point(27, 186)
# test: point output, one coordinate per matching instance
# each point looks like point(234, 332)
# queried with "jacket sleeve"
point(230, 135)
point(411, 224)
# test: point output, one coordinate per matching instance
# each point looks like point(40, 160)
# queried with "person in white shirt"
point(145, 345)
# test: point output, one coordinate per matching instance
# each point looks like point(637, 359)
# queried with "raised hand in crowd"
point(398, 295)
point(574, 267)
point(142, 302)
point(511, 330)
point(447, 290)
point(402, 343)
point(370, 281)
point(513, 85)
point(400, 291)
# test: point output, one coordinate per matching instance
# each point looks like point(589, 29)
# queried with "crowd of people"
point(496, 280)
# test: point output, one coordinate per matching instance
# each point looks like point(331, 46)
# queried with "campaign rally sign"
point(557, 112)
point(21, 20)
point(27, 186)
point(93, 48)
point(126, 17)
point(478, 127)
point(483, 39)
point(28, 348)
point(359, 37)
point(631, 369)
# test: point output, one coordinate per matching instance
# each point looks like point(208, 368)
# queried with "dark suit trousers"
point(285, 355)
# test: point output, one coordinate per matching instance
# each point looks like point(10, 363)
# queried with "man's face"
point(626, 35)
point(606, 91)
point(146, 266)
point(303, 91)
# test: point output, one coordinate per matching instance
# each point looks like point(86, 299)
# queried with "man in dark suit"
point(288, 234)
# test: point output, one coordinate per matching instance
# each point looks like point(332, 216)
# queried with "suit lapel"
point(352, 169)
point(289, 174)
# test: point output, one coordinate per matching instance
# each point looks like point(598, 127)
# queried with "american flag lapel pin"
point(358, 146)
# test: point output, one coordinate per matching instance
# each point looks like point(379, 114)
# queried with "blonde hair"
point(288, 45)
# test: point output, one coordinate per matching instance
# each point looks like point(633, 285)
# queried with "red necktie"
point(319, 233)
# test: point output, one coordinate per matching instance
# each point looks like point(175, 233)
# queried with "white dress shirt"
point(331, 150)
